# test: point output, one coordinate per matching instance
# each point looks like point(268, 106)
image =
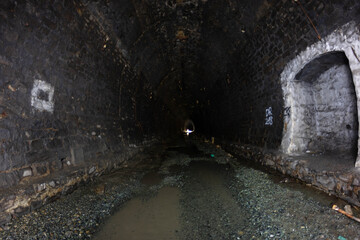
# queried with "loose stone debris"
point(220, 197)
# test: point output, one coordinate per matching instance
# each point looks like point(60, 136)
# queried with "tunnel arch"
point(333, 51)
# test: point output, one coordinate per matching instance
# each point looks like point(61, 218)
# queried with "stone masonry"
point(344, 183)
point(72, 106)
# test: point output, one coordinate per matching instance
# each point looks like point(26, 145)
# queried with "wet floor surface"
point(192, 190)
point(155, 218)
point(209, 210)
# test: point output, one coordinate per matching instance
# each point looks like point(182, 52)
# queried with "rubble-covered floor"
point(188, 190)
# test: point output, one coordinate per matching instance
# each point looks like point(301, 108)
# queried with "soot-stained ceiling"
point(182, 47)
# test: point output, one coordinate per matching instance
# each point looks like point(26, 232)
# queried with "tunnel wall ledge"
point(344, 184)
point(34, 192)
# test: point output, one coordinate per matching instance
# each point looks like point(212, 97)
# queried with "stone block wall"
point(247, 101)
point(72, 106)
point(326, 113)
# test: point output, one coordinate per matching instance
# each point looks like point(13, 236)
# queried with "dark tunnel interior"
point(85, 85)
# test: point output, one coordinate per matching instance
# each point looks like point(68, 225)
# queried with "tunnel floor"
point(188, 190)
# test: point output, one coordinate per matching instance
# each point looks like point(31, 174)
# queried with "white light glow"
point(188, 131)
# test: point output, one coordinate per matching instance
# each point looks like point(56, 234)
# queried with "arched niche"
point(320, 88)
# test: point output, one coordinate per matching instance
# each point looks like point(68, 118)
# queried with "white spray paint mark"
point(268, 116)
point(42, 95)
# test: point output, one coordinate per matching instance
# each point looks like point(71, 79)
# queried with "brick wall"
point(246, 61)
point(69, 94)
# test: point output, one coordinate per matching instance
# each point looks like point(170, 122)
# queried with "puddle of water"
point(156, 218)
point(212, 176)
point(176, 169)
point(210, 173)
point(151, 179)
point(190, 150)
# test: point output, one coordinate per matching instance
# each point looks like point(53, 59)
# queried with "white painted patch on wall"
point(42, 96)
point(345, 39)
point(268, 116)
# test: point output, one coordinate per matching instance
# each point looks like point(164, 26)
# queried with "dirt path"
point(216, 200)
point(209, 211)
point(192, 190)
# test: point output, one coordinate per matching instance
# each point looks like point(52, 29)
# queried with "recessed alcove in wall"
point(324, 106)
point(321, 89)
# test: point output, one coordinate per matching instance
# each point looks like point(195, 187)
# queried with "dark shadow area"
point(189, 149)
point(319, 65)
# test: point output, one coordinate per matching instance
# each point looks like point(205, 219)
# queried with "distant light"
point(188, 131)
point(242, 30)
point(104, 46)
point(189, 127)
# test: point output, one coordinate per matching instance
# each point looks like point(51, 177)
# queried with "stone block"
point(6, 202)
point(4, 134)
point(39, 187)
point(68, 189)
point(27, 172)
point(4, 163)
point(356, 181)
point(35, 204)
point(17, 160)
point(51, 199)
point(52, 184)
point(40, 170)
point(35, 157)
point(11, 36)
point(9, 179)
point(54, 143)
point(4, 218)
point(55, 165)
point(92, 169)
point(293, 164)
point(77, 155)
point(269, 162)
point(65, 162)
point(50, 24)
point(346, 177)
point(19, 211)
point(326, 182)
point(37, 145)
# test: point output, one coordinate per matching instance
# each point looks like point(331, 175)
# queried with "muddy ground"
point(189, 189)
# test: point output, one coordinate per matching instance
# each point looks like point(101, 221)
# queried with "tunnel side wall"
point(247, 103)
point(71, 102)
